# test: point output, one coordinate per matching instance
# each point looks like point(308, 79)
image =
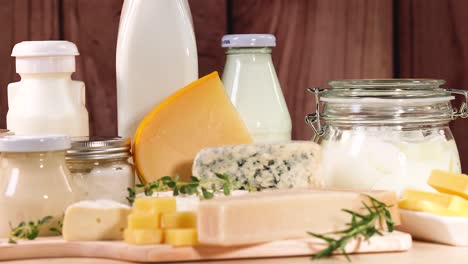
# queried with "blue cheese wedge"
point(265, 165)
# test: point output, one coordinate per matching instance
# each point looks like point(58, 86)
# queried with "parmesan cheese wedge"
point(281, 214)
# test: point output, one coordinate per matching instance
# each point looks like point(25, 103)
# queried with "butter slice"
point(455, 205)
point(281, 214)
point(450, 183)
point(95, 220)
point(426, 206)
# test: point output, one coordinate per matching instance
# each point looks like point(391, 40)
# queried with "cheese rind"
point(265, 165)
point(181, 236)
point(95, 220)
point(281, 214)
point(179, 220)
point(450, 183)
point(143, 236)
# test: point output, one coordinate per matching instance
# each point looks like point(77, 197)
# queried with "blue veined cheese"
point(263, 165)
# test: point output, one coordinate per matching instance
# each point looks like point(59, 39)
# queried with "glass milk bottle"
point(156, 56)
point(46, 100)
point(251, 82)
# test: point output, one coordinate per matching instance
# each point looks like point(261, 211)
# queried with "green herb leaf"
point(361, 225)
point(204, 188)
point(30, 230)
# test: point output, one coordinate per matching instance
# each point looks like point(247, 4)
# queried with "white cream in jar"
point(100, 168)
point(373, 158)
point(34, 180)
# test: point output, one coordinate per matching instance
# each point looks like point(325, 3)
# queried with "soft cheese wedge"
point(198, 116)
point(281, 214)
point(453, 204)
point(95, 220)
point(450, 183)
point(263, 165)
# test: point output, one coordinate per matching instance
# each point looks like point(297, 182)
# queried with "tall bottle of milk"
point(250, 80)
point(156, 56)
point(46, 100)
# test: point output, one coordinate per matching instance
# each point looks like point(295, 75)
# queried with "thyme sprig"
point(361, 226)
point(27, 230)
point(203, 188)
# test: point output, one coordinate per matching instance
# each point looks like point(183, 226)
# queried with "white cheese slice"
point(95, 220)
point(281, 214)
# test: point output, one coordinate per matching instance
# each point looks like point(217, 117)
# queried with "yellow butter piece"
point(181, 236)
point(155, 205)
point(426, 206)
point(139, 220)
point(143, 236)
point(179, 220)
point(450, 183)
point(198, 116)
point(451, 202)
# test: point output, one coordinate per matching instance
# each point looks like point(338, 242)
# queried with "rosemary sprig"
point(204, 188)
point(362, 225)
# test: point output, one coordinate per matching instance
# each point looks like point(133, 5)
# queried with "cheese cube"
point(281, 214)
point(140, 220)
point(450, 183)
point(95, 220)
point(181, 236)
point(143, 236)
point(155, 205)
point(453, 203)
point(179, 220)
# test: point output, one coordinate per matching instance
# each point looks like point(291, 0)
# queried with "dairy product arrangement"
point(206, 168)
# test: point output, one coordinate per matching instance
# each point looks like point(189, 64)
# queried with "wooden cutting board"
point(57, 247)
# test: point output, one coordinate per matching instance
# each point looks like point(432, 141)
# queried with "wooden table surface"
point(421, 252)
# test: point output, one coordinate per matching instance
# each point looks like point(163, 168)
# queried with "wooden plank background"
point(317, 41)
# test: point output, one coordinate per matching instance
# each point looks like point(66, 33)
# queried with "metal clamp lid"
point(314, 119)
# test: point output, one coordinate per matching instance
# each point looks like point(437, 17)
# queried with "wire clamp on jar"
point(313, 120)
point(463, 111)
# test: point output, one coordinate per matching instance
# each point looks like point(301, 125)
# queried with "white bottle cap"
point(248, 40)
point(34, 143)
point(45, 56)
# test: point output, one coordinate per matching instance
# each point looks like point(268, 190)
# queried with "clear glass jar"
point(100, 168)
point(34, 180)
point(252, 84)
point(385, 134)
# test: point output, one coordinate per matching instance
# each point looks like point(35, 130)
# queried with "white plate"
point(448, 230)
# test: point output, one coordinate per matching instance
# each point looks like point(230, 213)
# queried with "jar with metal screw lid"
point(100, 167)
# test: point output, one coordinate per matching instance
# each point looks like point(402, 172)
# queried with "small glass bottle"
point(100, 168)
point(250, 80)
point(34, 180)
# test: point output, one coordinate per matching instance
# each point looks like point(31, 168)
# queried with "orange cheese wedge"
point(197, 116)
